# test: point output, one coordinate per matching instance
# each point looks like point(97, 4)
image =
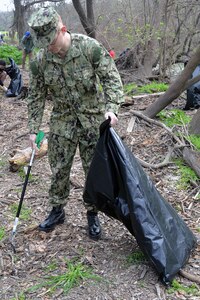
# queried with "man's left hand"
point(112, 116)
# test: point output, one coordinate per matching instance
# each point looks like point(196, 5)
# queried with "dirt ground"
point(37, 252)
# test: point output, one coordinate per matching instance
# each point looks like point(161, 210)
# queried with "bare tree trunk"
point(86, 20)
point(194, 126)
point(176, 88)
point(19, 23)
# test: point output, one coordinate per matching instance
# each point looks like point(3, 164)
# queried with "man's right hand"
point(32, 138)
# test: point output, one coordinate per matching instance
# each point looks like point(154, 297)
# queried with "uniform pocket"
point(86, 78)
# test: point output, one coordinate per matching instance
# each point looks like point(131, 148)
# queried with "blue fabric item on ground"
point(118, 186)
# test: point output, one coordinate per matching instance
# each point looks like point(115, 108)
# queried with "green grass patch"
point(137, 257)
point(2, 162)
point(195, 140)
point(22, 174)
point(153, 87)
point(51, 266)
point(76, 272)
point(25, 211)
point(21, 296)
point(180, 118)
point(2, 233)
point(174, 117)
point(13, 52)
point(130, 88)
point(186, 174)
point(189, 290)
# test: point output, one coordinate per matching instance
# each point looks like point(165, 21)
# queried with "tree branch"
point(140, 115)
point(26, 6)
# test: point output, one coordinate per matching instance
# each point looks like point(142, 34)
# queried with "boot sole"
point(96, 237)
point(51, 228)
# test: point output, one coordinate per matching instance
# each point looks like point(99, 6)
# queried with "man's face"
point(58, 42)
point(55, 45)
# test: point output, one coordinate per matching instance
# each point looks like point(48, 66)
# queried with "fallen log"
point(192, 158)
point(22, 157)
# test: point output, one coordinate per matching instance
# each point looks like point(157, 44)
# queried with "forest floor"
point(40, 254)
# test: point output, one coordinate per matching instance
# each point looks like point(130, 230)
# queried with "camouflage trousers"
point(61, 152)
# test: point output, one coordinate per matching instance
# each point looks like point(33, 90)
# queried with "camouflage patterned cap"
point(44, 25)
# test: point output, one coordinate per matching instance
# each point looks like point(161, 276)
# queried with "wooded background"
point(158, 32)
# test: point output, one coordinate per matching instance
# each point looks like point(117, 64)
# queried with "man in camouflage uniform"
point(76, 70)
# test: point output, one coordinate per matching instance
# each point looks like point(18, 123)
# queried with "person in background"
point(27, 43)
point(3, 75)
point(75, 69)
point(1, 39)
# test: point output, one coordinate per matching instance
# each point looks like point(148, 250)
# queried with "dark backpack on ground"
point(16, 84)
point(193, 93)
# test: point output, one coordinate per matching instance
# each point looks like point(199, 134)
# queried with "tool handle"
point(25, 184)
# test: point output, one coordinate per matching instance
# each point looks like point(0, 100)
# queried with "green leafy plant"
point(75, 273)
point(2, 233)
point(189, 290)
point(13, 52)
point(25, 211)
point(136, 257)
point(186, 174)
point(195, 140)
point(174, 117)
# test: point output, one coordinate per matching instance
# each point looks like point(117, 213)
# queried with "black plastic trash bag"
point(118, 186)
point(16, 84)
point(193, 92)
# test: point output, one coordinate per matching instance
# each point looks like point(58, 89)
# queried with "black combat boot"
point(56, 216)
point(94, 228)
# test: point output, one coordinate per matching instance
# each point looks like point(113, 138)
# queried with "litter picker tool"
point(38, 141)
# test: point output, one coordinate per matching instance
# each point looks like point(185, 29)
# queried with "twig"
point(140, 115)
point(131, 124)
point(158, 291)
point(12, 126)
point(188, 196)
point(147, 95)
point(164, 163)
point(189, 276)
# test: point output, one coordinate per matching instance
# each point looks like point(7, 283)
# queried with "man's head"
point(44, 23)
